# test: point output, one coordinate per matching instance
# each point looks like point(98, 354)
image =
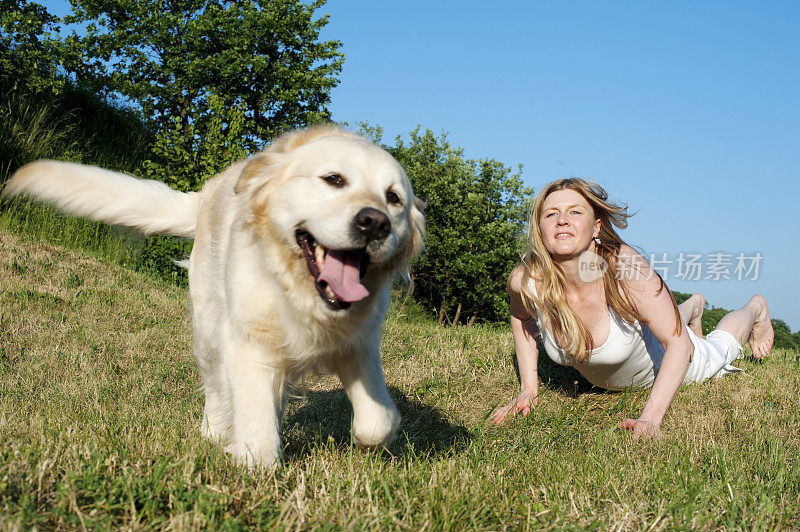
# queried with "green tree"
point(29, 52)
point(184, 158)
point(169, 56)
point(784, 337)
point(476, 218)
point(44, 113)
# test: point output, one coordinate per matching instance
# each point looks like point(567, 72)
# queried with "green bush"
point(476, 216)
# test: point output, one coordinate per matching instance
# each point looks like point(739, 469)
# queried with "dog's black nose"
point(373, 224)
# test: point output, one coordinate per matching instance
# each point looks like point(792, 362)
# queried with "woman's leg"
point(752, 324)
point(691, 312)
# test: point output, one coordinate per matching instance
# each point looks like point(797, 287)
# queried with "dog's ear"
point(416, 241)
point(260, 165)
point(416, 221)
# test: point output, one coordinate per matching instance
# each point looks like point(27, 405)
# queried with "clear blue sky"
point(688, 111)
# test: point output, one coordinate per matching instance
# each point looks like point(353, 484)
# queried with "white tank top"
point(630, 356)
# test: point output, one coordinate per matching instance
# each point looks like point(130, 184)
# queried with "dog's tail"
point(111, 197)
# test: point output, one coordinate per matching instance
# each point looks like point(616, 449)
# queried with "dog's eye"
point(335, 180)
point(393, 198)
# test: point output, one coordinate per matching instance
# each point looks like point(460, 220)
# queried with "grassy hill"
point(99, 417)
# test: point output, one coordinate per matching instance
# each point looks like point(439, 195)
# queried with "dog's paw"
point(254, 456)
point(376, 430)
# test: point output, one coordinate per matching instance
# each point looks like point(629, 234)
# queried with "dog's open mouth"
point(337, 272)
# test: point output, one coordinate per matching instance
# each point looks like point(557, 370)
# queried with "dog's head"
point(343, 207)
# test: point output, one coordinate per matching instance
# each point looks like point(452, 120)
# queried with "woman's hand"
point(524, 330)
point(641, 428)
point(522, 404)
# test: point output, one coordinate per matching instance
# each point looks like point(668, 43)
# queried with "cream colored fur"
point(257, 318)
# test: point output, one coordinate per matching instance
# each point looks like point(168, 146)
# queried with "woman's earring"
point(597, 241)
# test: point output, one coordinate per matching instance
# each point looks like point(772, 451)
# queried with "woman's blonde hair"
point(570, 332)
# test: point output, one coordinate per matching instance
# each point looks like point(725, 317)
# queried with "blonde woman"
point(600, 308)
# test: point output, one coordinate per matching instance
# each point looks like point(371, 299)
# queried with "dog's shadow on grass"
point(324, 418)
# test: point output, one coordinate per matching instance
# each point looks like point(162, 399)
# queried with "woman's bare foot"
point(696, 323)
point(762, 335)
point(691, 312)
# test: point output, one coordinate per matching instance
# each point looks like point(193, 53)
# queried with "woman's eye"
point(335, 180)
point(393, 198)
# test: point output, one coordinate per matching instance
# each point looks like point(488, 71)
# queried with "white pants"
point(712, 356)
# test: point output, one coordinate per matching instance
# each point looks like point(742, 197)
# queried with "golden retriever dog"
point(293, 254)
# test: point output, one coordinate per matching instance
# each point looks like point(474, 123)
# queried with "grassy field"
point(100, 413)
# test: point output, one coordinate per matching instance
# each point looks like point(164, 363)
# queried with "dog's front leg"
point(256, 389)
point(375, 418)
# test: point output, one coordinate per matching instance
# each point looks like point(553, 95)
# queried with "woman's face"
point(567, 224)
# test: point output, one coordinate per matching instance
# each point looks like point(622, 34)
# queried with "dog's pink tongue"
point(341, 271)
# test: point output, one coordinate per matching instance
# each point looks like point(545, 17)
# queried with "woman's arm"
point(655, 305)
point(524, 332)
